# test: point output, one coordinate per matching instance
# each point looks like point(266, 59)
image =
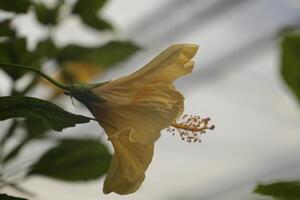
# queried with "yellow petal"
point(151, 110)
point(146, 101)
point(127, 169)
point(173, 59)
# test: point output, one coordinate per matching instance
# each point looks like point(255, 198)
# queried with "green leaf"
point(17, 6)
point(6, 29)
point(94, 22)
point(29, 107)
point(290, 62)
point(45, 49)
point(109, 54)
point(74, 160)
point(88, 12)
point(84, 7)
point(13, 51)
point(281, 190)
point(45, 15)
point(35, 127)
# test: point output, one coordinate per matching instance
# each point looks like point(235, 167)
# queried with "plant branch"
point(48, 78)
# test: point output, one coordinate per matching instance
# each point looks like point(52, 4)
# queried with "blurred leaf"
point(45, 15)
point(6, 197)
point(5, 29)
point(15, 151)
point(10, 132)
point(85, 8)
point(94, 22)
point(17, 6)
point(109, 54)
point(280, 190)
point(74, 160)
point(45, 49)
point(14, 50)
point(35, 127)
point(290, 62)
point(88, 12)
point(29, 107)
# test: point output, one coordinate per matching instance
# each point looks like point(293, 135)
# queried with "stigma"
point(190, 127)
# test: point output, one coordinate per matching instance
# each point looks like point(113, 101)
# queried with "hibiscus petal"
point(146, 101)
point(150, 111)
point(171, 64)
point(127, 169)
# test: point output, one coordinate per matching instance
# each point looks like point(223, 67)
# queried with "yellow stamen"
point(190, 127)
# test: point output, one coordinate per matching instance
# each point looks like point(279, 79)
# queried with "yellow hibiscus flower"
point(135, 108)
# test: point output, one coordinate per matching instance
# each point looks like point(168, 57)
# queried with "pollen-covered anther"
point(190, 127)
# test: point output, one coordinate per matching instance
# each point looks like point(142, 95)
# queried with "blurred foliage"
point(15, 51)
point(280, 190)
point(7, 197)
point(5, 29)
point(290, 62)
point(70, 159)
point(45, 15)
point(74, 160)
point(105, 55)
point(17, 6)
point(290, 71)
point(88, 13)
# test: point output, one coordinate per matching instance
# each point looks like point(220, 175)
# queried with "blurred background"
point(236, 82)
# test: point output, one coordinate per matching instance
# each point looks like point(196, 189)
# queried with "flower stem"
point(45, 76)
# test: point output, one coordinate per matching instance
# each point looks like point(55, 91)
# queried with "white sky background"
point(236, 82)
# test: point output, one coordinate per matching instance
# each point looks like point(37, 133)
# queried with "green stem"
point(48, 78)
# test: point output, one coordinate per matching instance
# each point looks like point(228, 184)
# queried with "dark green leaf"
point(6, 29)
point(94, 22)
point(74, 160)
point(17, 6)
point(45, 49)
point(45, 15)
point(29, 107)
point(109, 54)
point(280, 190)
point(36, 127)
point(88, 12)
point(6, 197)
point(13, 51)
point(84, 7)
point(290, 62)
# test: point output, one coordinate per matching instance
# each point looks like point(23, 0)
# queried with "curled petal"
point(171, 64)
point(127, 169)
